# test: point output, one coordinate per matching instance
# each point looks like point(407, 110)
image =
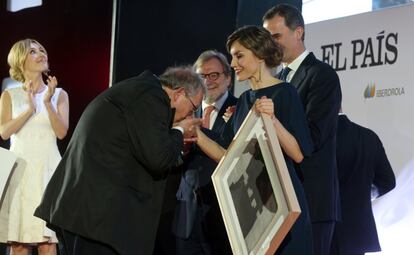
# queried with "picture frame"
point(254, 190)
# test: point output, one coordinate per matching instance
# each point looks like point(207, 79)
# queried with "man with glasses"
point(106, 194)
point(198, 224)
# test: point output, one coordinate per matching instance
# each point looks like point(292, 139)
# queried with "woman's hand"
point(28, 87)
point(51, 86)
point(190, 126)
point(265, 105)
point(287, 141)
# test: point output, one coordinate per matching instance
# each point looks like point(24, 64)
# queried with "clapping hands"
point(28, 86)
point(51, 86)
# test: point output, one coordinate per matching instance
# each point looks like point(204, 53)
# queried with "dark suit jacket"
point(219, 123)
point(197, 159)
point(203, 166)
point(110, 183)
point(319, 89)
point(361, 162)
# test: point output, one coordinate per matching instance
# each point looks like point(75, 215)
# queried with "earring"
point(260, 74)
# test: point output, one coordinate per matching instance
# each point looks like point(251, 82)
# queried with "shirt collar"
point(217, 104)
point(296, 63)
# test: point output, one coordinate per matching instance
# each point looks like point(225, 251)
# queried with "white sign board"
point(373, 55)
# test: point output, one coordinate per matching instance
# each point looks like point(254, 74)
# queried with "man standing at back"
point(319, 89)
point(362, 164)
point(198, 225)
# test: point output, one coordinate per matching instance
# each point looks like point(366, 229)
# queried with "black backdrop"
point(150, 34)
point(77, 37)
point(155, 34)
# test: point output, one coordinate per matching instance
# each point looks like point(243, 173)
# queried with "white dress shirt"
point(294, 66)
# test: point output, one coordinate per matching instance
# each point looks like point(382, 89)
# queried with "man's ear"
point(177, 93)
point(299, 32)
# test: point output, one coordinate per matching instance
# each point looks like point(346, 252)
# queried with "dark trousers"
point(197, 243)
point(338, 248)
point(3, 248)
point(208, 236)
point(72, 244)
point(336, 251)
point(322, 236)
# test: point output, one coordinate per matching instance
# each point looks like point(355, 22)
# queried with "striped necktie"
point(206, 116)
point(284, 73)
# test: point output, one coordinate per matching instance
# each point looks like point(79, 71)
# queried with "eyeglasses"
point(195, 108)
point(211, 76)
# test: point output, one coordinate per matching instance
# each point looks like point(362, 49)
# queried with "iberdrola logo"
point(369, 91)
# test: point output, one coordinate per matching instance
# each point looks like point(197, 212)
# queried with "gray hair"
point(183, 77)
point(210, 54)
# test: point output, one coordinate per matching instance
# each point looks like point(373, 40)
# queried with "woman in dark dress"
point(254, 53)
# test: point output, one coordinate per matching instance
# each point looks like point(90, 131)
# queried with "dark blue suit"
point(320, 92)
point(362, 162)
point(198, 221)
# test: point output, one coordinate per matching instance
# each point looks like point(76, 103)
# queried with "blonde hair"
point(17, 56)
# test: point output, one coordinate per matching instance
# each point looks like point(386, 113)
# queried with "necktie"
point(284, 73)
point(206, 116)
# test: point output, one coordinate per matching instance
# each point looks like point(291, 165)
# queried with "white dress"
point(38, 156)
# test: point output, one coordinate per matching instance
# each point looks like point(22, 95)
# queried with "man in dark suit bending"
point(105, 196)
point(319, 89)
point(362, 165)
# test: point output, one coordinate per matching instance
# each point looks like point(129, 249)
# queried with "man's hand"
point(190, 126)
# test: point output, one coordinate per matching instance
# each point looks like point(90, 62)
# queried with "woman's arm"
point(9, 126)
point(59, 118)
point(209, 147)
point(287, 141)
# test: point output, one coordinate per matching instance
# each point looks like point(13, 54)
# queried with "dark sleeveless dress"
point(289, 111)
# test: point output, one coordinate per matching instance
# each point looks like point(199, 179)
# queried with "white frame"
point(268, 236)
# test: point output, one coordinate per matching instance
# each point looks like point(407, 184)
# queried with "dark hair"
point(260, 42)
point(182, 77)
point(210, 54)
point(293, 17)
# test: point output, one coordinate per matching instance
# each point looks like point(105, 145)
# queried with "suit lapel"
point(231, 100)
point(300, 75)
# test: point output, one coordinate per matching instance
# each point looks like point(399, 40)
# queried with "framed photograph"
point(254, 190)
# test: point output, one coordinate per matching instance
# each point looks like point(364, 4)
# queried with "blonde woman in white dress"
point(32, 116)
